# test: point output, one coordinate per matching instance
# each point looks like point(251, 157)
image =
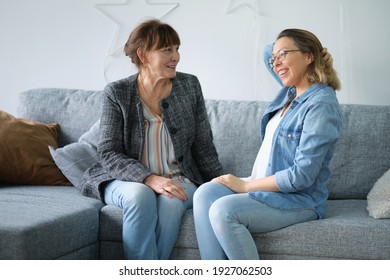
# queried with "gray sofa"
point(57, 222)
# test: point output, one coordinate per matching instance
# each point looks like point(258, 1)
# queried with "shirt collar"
point(312, 89)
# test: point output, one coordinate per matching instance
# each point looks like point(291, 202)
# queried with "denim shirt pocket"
point(288, 139)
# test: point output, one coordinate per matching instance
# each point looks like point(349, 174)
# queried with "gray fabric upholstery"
point(363, 152)
point(75, 110)
point(238, 120)
point(346, 233)
point(59, 223)
point(47, 222)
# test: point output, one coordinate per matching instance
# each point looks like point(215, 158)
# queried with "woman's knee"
point(219, 211)
point(201, 193)
point(131, 195)
point(171, 205)
point(210, 191)
point(223, 211)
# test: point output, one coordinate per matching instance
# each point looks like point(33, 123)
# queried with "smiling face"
point(293, 69)
point(161, 63)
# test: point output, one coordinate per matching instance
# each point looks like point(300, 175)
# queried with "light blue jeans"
point(151, 222)
point(224, 221)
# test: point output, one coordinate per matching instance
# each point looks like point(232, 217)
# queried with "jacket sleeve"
point(203, 148)
point(119, 162)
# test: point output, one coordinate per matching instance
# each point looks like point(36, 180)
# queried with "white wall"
point(77, 43)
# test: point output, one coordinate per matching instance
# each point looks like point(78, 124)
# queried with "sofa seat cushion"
point(110, 235)
point(111, 220)
point(348, 232)
point(47, 222)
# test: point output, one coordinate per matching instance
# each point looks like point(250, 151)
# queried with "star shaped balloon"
point(252, 5)
point(126, 15)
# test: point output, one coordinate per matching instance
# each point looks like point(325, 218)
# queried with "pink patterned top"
point(158, 153)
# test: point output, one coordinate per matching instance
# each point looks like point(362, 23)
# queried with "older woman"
point(289, 179)
point(155, 145)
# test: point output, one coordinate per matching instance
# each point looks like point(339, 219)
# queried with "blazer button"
point(180, 159)
point(174, 130)
point(165, 105)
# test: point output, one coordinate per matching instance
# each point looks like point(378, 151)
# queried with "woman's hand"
point(266, 184)
point(166, 186)
point(327, 57)
point(232, 182)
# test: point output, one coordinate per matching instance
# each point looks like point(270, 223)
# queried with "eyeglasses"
point(280, 55)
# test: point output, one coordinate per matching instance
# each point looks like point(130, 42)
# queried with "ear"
point(141, 55)
point(309, 58)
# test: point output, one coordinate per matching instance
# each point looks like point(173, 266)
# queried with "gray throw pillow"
point(74, 159)
point(91, 137)
point(378, 199)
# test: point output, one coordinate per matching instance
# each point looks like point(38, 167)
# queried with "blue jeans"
point(151, 222)
point(224, 221)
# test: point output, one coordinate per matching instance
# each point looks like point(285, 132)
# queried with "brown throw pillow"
point(24, 154)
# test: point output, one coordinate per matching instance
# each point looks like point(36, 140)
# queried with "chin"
point(171, 76)
point(287, 83)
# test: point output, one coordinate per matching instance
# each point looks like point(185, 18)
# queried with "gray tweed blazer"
point(122, 135)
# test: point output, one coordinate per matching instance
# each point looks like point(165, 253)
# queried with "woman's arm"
point(321, 130)
point(267, 184)
point(267, 54)
point(203, 148)
point(117, 162)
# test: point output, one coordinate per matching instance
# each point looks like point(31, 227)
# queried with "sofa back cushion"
point(362, 153)
point(74, 110)
point(236, 131)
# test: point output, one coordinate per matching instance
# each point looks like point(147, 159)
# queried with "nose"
point(175, 56)
point(276, 63)
point(277, 60)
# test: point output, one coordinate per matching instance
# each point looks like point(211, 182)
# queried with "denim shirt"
point(302, 147)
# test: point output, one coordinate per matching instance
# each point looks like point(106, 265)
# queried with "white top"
point(261, 163)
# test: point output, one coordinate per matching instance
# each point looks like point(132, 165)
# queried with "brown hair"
point(150, 35)
point(318, 71)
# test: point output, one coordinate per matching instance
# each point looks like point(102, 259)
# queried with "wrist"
point(149, 179)
point(248, 186)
